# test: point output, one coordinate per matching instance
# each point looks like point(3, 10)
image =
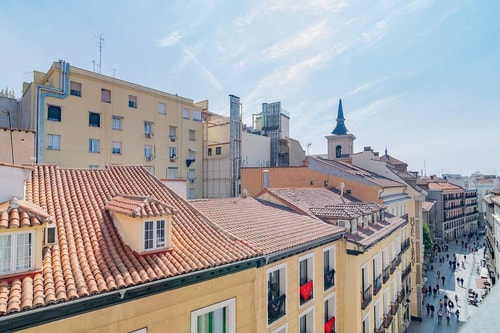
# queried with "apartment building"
point(492, 232)
point(84, 119)
point(298, 288)
point(374, 287)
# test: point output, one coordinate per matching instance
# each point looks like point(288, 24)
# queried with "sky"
point(421, 78)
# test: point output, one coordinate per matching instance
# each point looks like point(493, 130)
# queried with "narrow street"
point(452, 289)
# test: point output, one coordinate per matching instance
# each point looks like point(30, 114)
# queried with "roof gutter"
point(51, 313)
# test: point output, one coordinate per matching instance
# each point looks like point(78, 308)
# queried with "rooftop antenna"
point(101, 43)
point(342, 185)
point(308, 145)
point(114, 71)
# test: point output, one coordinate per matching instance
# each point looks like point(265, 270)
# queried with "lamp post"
point(10, 130)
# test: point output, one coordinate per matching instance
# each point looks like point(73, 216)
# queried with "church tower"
point(340, 142)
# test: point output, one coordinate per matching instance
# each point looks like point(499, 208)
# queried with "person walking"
point(457, 313)
point(443, 278)
point(432, 309)
point(462, 281)
point(428, 306)
point(438, 274)
point(437, 287)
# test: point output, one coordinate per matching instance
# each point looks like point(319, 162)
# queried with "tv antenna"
point(308, 145)
point(101, 44)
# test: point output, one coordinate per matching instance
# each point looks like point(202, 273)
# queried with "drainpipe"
point(40, 106)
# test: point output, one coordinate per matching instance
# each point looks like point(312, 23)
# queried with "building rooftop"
point(90, 257)
point(266, 226)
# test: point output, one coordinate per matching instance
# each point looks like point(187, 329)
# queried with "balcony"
point(276, 308)
point(330, 325)
point(306, 292)
point(393, 265)
point(366, 297)
point(387, 320)
point(402, 295)
point(329, 278)
point(406, 272)
point(405, 245)
point(377, 284)
point(381, 329)
point(398, 259)
point(394, 308)
point(386, 274)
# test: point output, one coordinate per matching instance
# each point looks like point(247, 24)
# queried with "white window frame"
point(192, 135)
point(116, 123)
point(308, 314)
point(310, 275)
point(283, 267)
point(51, 142)
point(93, 166)
point(14, 249)
point(94, 146)
point(157, 244)
point(366, 319)
point(281, 329)
point(185, 113)
point(140, 330)
point(172, 152)
point(148, 127)
point(329, 299)
point(230, 304)
point(162, 108)
point(332, 261)
point(148, 151)
point(196, 115)
point(172, 172)
point(377, 316)
point(116, 148)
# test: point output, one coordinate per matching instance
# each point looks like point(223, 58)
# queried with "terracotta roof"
point(496, 200)
point(443, 186)
point(391, 160)
point(427, 205)
point(138, 206)
point(90, 257)
point(268, 227)
point(18, 213)
point(372, 234)
point(347, 210)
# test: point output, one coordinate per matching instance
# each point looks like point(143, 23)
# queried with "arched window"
point(338, 151)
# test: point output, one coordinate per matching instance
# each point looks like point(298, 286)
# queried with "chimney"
point(14, 179)
point(265, 177)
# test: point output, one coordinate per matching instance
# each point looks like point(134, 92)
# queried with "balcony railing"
point(381, 329)
point(387, 319)
point(393, 265)
point(366, 297)
point(377, 284)
point(394, 308)
point(398, 259)
point(402, 294)
point(385, 274)
point(306, 291)
point(399, 298)
point(406, 272)
point(276, 308)
point(329, 279)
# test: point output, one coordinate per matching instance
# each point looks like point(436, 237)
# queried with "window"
point(148, 152)
point(140, 330)
point(216, 318)
point(377, 315)
point(94, 119)
point(172, 133)
point(218, 150)
point(75, 88)
point(105, 95)
point(172, 152)
point(93, 145)
point(53, 142)
point(150, 169)
point(16, 252)
point(365, 325)
point(192, 154)
point(306, 322)
point(172, 172)
point(329, 267)
point(148, 129)
point(196, 115)
point(162, 108)
point(132, 101)
point(192, 136)
point(209, 152)
point(93, 166)
point(185, 113)
point(191, 175)
point(154, 235)
point(191, 193)
point(116, 122)
point(329, 315)
point(116, 147)
point(281, 329)
point(306, 277)
point(276, 292)
point(54, 113)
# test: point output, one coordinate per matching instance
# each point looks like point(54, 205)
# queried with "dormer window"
point(154, 235)
point(16, 252)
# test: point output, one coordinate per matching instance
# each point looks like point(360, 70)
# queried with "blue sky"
point(421, 77)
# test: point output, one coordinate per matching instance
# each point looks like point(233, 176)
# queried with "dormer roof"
point(139, 206)
point(18, 213)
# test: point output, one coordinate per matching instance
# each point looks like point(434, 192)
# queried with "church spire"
point(340, 129)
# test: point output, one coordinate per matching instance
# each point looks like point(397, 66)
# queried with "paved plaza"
point(473, 279)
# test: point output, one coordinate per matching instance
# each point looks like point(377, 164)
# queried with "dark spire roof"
point(340, 129)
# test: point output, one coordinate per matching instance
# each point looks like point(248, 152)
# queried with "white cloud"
point(172, 39)
point(368, 85)
point(375, 33)
point(366, 113)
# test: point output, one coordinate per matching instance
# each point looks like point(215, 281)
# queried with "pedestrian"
point(462, 281)
point(443, 278)
point(435, 291)
point(448, 316)
point(458, 280)
point(457, 313)
point(424, 290)
point(456, 298)
point(465, 258)
point(432, 309)
point(428, 306)
point(437, 287)
point(438, 274)
point(456, 241)
point(440, 304)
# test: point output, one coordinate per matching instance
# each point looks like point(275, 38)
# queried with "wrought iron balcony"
point(366, 297)
point(405, 245)
point(377, 284)
point(394, 308)
point(398, 258)
point(393, 265)
point(381, 328)
point(329, 279)
point(386, 274)
point(276, 308)
point(387, 319)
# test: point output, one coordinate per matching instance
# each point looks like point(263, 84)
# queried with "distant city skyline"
point(418, 77)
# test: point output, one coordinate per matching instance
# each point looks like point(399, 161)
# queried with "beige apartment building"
point(84, 119)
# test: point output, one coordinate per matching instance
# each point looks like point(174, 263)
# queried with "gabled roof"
point(266, 226)
point(138, 206)
point(90, 258)
point(18, 213)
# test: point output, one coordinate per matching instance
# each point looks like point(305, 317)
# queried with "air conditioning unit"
point(50, 234)
point(172, 139)
point(148, 158)
point(148, 135)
